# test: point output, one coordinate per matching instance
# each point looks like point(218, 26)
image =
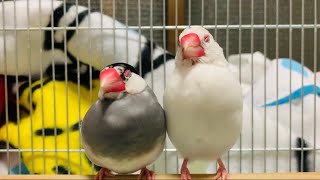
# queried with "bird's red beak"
point(191, 46)
point(110, 81)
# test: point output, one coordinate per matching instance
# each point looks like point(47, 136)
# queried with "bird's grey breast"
point(126, 126)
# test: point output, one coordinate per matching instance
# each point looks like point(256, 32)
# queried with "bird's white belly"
point(203, 138)
point(204, 116)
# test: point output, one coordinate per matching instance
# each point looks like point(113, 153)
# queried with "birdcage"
point(52, 52)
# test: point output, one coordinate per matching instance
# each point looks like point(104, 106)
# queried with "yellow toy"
point(50, 154)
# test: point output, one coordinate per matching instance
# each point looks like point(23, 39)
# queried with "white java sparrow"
point(124, 130)
point(202, 101)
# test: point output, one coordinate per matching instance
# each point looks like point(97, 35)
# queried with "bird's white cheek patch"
point(135, 84)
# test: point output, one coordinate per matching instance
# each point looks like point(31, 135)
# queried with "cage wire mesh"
point(51, 52)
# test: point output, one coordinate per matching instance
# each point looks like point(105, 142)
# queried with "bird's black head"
point(123, 67)
point(114, 78)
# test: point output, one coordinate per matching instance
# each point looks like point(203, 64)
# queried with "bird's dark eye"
point(206, 38)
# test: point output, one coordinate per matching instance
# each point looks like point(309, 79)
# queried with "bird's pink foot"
point(185, 173)
point(150, 175)
point(104, 172)
point(221, 172)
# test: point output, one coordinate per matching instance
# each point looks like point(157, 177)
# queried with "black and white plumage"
point(202, 101)
point(125, 129)
point(34, 52)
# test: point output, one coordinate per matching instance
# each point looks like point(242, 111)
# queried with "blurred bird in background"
point(284, 96)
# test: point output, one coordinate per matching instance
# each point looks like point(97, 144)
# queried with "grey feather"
point(117, 130)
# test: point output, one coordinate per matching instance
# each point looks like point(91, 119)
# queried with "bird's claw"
point(104, 172)
point(222, 173)
point(185, 173)
point(150, 175)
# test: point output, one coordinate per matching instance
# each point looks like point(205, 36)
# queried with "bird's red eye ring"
point(127, 73)
point(206, 38)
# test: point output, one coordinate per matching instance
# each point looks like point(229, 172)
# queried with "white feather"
point(135, 84)
point(249, 67)
point(14, 50)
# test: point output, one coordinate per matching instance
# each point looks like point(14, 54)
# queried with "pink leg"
point(221, 172)
point(146, 172)
point(104, 172)
point(185, 173)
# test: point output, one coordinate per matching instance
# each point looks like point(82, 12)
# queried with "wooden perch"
point(309, 175)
